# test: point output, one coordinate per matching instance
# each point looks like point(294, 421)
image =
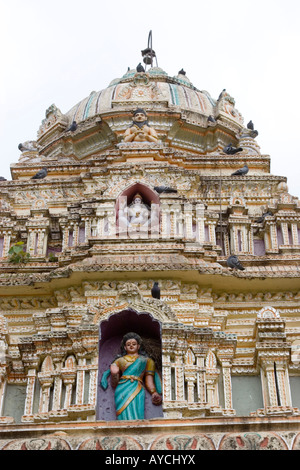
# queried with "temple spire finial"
point(148, 54)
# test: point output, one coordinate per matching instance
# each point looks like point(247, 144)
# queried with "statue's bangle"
point(153, 390)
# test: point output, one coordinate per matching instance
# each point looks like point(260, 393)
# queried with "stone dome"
point(153, 89)
point(183, 116)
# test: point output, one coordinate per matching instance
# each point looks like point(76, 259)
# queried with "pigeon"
point(233, 262)
point(40, 174)
point(155, 291)
point(230, 150)
point(2, 178)
point(221, 94)
point(211, 119)
point(182, 72)
point(72, 127)
point(262, 217)
point(164, 189)
point(241, 171)
point(250, 125)
point(140, 68)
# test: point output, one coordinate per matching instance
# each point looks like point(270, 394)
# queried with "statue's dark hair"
point(139, 110)
point(132, 335)
point(139, 124)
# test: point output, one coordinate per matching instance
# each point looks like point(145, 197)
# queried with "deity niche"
point(137, 216)
point(140, 131)
point(131, 373)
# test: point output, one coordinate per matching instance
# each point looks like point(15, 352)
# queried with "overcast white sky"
point(59, 51)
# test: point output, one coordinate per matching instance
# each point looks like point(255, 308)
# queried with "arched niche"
point(149, 197)
point(111, 333)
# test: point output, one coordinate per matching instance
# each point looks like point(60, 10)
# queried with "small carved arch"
point(268, 312)
point(211, 360)
point(70, 362)
point(130, 298)
point(47, 365)
point(190, 358)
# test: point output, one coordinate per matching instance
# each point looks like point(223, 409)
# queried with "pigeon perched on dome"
point(72, 127)
point(140, 68)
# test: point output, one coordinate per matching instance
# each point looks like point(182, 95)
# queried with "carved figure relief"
point(137, 217)
point(140, 131)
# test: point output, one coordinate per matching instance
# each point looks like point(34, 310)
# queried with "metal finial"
point(148, 54)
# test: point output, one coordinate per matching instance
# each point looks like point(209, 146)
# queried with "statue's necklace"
point(129, 358)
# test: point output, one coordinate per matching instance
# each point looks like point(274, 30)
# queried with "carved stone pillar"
point(201, 379)
point(69, 378)
point(31, 378)
point(93, 383)
point(166, 375)
point(80, 381)
point(270, 384)
point(273, 237)
point(164, 220)
point(212, 376)
point(200, 230)
point(87, 229)
point(65, 238)
point(285, 233)
point(188, 221)
point(273, 355)
point(295, 238)
point(6, 234)
point(46, 383)
point(179, 376)
point(175, 214)
point(57, 389)
point(283, 383)
point(226, 370)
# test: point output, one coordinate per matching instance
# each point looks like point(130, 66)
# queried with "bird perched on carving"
point(221, 94)
point(40, 174)
point(72, 127)
point(182, 72)
point(241, 171)
point(140, 68)
point(164, 189)
point(250, 125)
point(211, 119)
point(262, 217)
point(2, 178)
point(230, 150)
point(233, 262)
point(155, 291)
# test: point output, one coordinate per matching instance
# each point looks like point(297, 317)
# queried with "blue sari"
point(130, 392)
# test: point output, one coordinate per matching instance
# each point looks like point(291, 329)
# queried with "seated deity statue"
point(137, 216)
point(140, 131)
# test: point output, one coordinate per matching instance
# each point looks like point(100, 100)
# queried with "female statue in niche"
point(131, 373)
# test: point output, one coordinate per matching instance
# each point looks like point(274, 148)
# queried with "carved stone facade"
point(227, 342)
